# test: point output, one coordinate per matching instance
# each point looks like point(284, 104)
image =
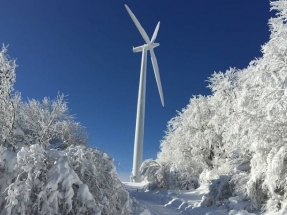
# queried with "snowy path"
point(155, 209)
point(146, 200)
point(167, 203)
point(154, 206)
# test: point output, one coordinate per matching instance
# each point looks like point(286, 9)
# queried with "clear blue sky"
point(84, 49)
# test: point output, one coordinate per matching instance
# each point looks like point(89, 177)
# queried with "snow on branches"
point(45, 166)
point(7, 101)
point(77, 180)
point(49, 124)
point(239, 131)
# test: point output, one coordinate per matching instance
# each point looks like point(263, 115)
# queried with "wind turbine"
point(139, 130)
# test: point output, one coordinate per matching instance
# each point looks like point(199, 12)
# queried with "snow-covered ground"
point(164, 202)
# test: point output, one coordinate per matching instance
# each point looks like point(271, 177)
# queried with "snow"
point(231, 143)
point(181, 202)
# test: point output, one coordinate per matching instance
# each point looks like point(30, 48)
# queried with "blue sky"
point(84, 49)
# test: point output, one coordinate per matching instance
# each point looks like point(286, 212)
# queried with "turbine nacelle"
point(145, 47)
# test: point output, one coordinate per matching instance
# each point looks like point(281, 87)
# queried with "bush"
point(77, 180)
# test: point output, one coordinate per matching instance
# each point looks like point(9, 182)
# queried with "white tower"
point(139, 130)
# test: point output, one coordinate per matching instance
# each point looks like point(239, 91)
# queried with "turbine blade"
point(155, 33)
point(137, 23)
point(156, 73)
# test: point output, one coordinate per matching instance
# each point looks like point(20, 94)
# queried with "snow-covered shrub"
point(77, 180)
point(219, 189)
point(97, 170)
point(181, 180)
point(165, 176)
point(239, 182)
point(151, 171)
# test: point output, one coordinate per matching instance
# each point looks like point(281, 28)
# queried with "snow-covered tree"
point(49, 124)
point(8, 103)
point(45, 166)
point(240, 130)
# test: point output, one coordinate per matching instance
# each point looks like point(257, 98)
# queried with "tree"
point(49, 124)
point(8, 103)
point(240, 130)
point(45, 166)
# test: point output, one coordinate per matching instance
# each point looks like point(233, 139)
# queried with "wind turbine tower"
point(139, 130)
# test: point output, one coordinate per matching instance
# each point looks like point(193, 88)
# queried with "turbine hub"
point(145, 47)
